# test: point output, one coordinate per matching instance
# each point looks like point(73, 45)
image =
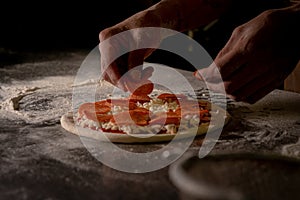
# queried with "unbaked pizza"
point(142, 117)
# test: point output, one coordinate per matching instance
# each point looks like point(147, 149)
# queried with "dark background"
point(52, 25)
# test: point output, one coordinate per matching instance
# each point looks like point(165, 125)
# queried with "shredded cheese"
point(155, 106)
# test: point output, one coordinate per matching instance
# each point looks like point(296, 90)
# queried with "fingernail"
point(198, 75)
point(147, 73)
point(120, 84)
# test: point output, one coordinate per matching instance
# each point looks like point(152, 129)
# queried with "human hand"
point(257, 58)
point(180, 15)
point(123, 49)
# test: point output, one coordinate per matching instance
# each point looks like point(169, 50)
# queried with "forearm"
point(293, 2)
point(189, 14)
point(295, 8)
point(178, 15)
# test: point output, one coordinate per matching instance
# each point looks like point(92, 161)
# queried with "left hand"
point(257, 58)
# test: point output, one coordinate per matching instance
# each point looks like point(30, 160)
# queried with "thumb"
point(209, 74)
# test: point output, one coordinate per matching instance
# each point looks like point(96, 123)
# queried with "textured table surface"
point(40, 160)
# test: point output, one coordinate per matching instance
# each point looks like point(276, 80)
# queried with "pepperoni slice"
point(90, 115)
point(141, 110)
point(205, 119)
point(145, 89)
point(138, 116)
point(85, 107)
point(139, 83)
point(140, 88)
point(135, 115)
point(102, 109)
point(123, 103)
point(103, 103)
point(97, 117)
point(138, 98)
point(204, 105)
point(104, 118)
point(167, 118)
point(93, 108)
point(95, 111)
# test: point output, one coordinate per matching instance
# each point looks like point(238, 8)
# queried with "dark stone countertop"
point(40, 160)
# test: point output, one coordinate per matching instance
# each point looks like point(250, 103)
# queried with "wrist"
point(182, 15)
point(179, 15)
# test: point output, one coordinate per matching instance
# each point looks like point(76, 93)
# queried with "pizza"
point(143, 117)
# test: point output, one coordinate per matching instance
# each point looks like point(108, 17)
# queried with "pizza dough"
point(68, 123)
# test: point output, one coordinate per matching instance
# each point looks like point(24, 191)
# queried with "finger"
point(223, 67)
point(197, 74)
point(113, 76)
point(121, 85)
point(140, 77)
point(144, 88)
point(131, 85)
point(147, 73)
point(106, 77)
point(110, 67)
point(111, 73)
point(134, 75)
point(108, 64)
point(238, 41)
point(230, 62)
point(210, 74)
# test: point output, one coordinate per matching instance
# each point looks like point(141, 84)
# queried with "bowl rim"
point(189, 185)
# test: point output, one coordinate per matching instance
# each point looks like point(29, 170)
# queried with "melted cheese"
point(154, 106)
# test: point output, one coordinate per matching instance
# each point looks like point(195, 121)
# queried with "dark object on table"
point(237, 177)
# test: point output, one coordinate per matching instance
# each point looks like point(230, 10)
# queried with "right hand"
point(120, 39)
